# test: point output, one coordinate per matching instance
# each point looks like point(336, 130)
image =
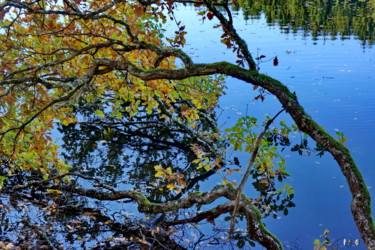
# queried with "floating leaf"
point(275, 61)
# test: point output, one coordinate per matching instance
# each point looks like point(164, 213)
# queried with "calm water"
point(335, 81)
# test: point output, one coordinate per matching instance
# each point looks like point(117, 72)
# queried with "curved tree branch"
point(255, 227)
point(361, 200)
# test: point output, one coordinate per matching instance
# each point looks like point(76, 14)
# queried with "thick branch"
point(255, 226)
point(361, 202)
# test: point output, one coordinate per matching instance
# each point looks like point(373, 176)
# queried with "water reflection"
point(120, 152)
point(318, 18)
point(123, 152)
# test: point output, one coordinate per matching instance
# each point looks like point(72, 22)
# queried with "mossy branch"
point(361, 200)
point(255, 226)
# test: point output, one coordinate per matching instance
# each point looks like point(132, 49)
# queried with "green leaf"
point(99, 113)
point(207, 167)
point(316, 242)
point(2, 180)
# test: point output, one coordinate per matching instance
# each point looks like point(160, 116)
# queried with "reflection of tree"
point(108, 59)
point(129, 149)
point(317, 17)
point(108, 153)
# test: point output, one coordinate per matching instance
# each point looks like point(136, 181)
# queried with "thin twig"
point(247, 173)
point(42, 233)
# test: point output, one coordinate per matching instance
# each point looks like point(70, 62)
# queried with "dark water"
point(334, 78)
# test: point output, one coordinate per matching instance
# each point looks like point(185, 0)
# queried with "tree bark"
point(361, 200)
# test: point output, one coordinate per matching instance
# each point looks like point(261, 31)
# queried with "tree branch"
point(361, 200)
point(228, 27)
point(248, 171)
point(255, 226)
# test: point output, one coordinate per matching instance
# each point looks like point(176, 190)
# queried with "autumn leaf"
point(260, 57)
point(210, 15)
point(171, 186)
point(275, 61)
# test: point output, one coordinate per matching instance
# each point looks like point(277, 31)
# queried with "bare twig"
point(247, 173)
point(42, 233)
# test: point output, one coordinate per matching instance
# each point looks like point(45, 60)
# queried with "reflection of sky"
point(335, 81)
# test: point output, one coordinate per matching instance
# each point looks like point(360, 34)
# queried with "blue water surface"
point(335, 82)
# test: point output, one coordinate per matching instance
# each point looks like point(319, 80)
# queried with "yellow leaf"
point(54, 191)
point(196, 161)
point(158, 168)
point(234, 183)
point(169, 170)
point(237, 170)
point(171, 186)
point(224, 181)
point(159, 174)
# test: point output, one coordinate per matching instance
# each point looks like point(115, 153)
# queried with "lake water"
point(335, 82)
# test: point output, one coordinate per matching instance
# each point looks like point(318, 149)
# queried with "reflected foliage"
point(139, 129)
point(125, 151)
point(319, 18)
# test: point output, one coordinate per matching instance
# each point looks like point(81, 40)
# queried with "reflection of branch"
point(209, 215)
point(228, 26)
point(97, 180)
point(248, 171)
point(191, 182)
point(255, 226)
point(202, 139)
point(361, 202)
point(42, 233)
